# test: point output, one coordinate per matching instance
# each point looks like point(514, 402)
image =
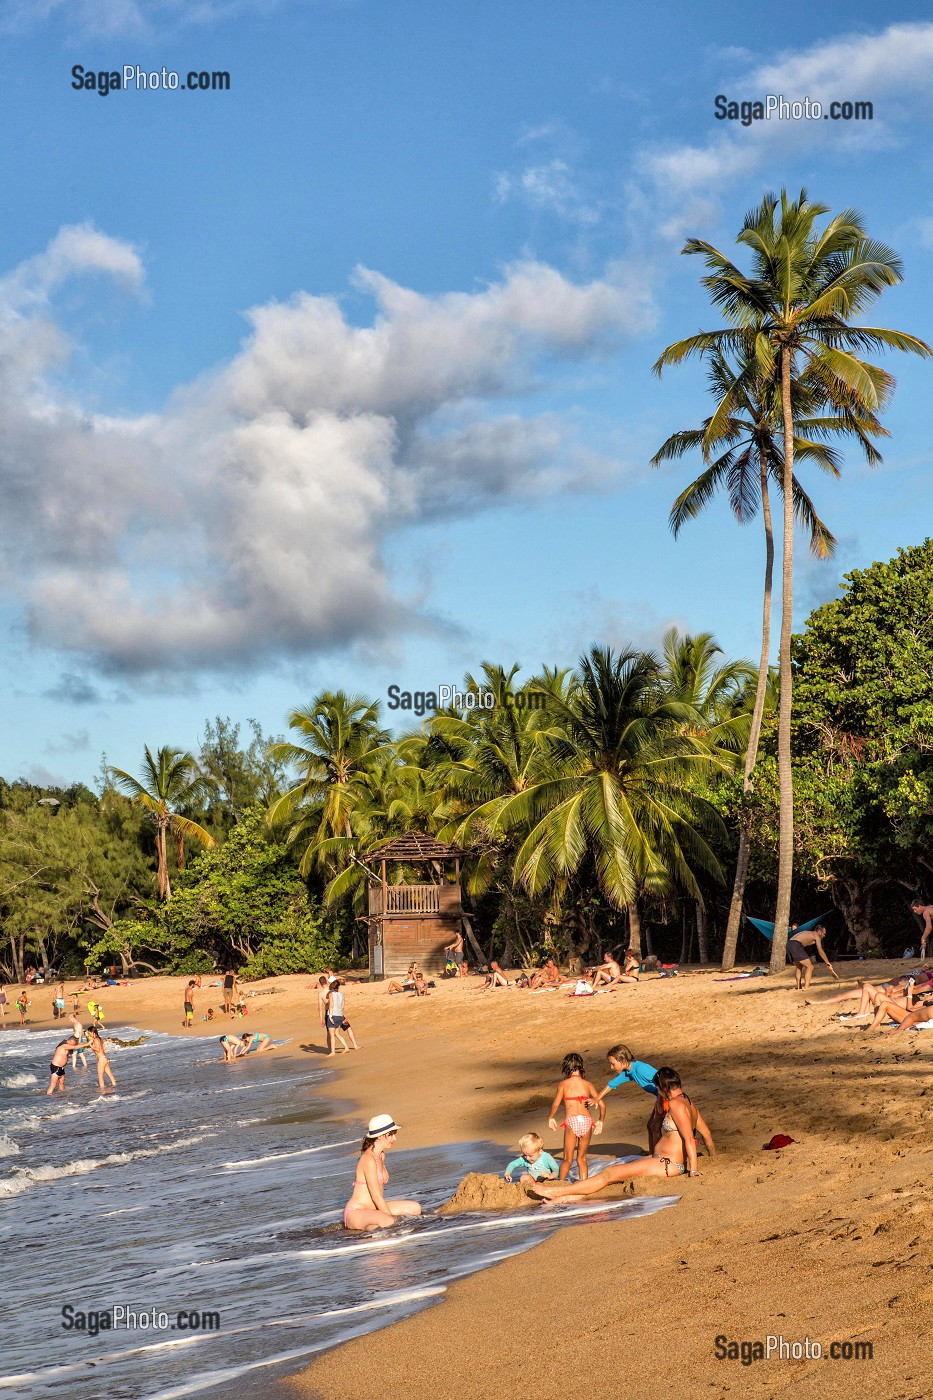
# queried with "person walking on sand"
point(322, 999)
point(58, 1006)
point(673, 1153)
point(189, 1006)
point(22, 1005)
point(59, 1060)
point(924, 912)
point(231, 991)
point(367, 1208)
point(3, 1005)
point(575, 1093)
point(104, 1072)
point(335, 1018)
point(800, 948)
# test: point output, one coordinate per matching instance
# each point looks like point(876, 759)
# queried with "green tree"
point(166, 782)
point(806, 287)
point(622, 795)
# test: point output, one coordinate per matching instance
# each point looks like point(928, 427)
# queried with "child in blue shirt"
point(534, 1164)
point(627, 1070)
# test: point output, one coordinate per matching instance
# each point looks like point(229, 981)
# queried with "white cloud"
point(246, 521)
point(116, 18)
point(890, 69)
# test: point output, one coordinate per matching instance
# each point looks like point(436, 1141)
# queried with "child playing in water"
point(578, 1126)
point(534, 1164)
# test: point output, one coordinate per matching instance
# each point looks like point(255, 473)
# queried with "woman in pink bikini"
point(367, 1208)
point(575, 1093)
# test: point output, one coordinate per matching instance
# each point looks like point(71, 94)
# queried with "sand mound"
point(477, 1191)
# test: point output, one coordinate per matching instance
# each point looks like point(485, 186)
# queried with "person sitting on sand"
point(495, 978)
point(367, 1208)
point(408, 985)
point(904, 1010)
point(574, 1091)
point(610, 974)
point(674, 1152)
point(104, 1072)
point(534, 1164)
point(547, 976)
point(800, 947)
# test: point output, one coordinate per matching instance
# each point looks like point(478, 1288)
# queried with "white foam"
point(25, 1177)
point(249, 1162)
point(20, 1079)
point(8, 1148)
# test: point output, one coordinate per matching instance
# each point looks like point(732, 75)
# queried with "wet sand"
point(827, 1240)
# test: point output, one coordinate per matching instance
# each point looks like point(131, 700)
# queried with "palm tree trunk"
point(634, 929)
point(702, 933)
point(163, 884)
point(751, 752)
point(785, 774)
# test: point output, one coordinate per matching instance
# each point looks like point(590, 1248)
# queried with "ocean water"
point(201, 1187)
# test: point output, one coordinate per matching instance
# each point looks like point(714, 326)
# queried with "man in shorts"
point(800, 948)
point(456, 950)
point(59, 1060)
point(924, 912)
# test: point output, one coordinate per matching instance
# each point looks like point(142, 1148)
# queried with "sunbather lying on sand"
point(867, 993)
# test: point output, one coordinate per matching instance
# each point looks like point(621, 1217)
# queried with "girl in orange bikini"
point(367, 1208)
point(575, 1093)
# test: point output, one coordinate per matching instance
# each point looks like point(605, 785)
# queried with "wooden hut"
point(413, 923)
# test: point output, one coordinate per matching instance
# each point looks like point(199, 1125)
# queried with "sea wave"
point(20, 1079)
point(23, 1178)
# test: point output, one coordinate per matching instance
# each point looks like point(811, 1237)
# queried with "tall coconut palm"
point(167, 781)
point(807, 285)
point(744, 429)
point(621, 795)
point(342, 743)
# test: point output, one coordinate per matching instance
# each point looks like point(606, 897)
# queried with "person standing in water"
point(367, 1208)
point(59, 1060)
point(104, 1072)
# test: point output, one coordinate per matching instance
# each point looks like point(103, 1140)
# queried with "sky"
point(341, 377)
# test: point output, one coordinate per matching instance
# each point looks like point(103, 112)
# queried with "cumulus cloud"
point(246, 521)
point(890, 69)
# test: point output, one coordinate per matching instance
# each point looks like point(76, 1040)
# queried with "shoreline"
point(842, 1213)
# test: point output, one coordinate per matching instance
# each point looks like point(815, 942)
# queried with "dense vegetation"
point(600, 805)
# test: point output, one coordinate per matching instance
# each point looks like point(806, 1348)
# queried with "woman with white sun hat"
point(367, 1208)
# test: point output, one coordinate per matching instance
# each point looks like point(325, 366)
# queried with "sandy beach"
point(826, 1240)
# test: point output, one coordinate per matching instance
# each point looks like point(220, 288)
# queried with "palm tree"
point(167, 781)
point(806, 286)
point(621, 795)
point(744, 429)
point(343, 744)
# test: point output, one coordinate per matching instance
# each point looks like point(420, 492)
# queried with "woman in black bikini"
point(673, 1153)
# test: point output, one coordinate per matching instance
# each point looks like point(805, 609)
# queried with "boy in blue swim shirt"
point(627, 1070)
point(534, 1164)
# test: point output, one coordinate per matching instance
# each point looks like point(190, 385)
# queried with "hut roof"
point(415, 846)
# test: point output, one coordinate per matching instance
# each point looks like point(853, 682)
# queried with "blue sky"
point(342, 377)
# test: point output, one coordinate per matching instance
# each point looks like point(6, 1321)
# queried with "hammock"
point(767, 929)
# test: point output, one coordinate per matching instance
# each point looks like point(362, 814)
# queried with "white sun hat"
point(381, 1124)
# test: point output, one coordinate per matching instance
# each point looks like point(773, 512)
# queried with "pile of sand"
point(478, 1191)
